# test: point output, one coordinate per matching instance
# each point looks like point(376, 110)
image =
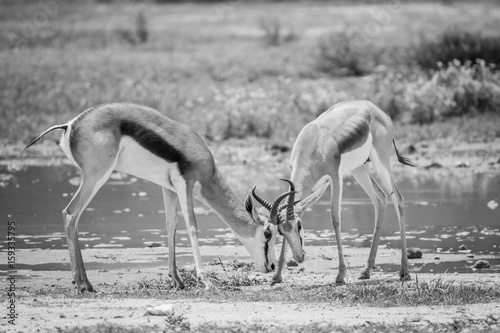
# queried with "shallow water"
point(443, 211)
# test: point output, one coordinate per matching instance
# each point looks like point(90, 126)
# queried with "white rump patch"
point(64, 143)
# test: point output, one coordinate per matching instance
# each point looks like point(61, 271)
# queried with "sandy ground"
point(125, 266)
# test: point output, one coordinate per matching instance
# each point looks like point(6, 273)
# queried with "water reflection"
point(443, 210)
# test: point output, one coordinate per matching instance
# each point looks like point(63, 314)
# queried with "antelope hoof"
point(178, 284)
point(83, 287)
point(276, 280)
point(404, 276)
point(364, 276)
point(88, 287)
point(340, 280)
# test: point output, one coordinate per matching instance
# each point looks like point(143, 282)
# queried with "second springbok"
point(140, 141)
point(346, 138)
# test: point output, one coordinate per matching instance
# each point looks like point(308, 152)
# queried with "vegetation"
point(487, 325)
point(235, 284)
point(211, 65)
point(457, 45)
point(455, 89)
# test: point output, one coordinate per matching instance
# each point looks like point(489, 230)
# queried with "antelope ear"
point(251, 209)
point(302, 205)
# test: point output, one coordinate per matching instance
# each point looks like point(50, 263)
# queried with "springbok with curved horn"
point(285, 228)
point(344, 139)
point(140, 141)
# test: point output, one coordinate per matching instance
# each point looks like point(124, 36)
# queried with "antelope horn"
point(283, 206)
point(290, 211)
point(263, 202)
point(274, 209)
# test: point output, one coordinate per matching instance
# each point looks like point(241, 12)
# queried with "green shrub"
point(457, 45)
point(453, 90)
point(242, 112)
point(339, 54)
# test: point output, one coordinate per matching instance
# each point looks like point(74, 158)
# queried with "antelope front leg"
point(170, 201)
point(185, 194)
point(277, 278)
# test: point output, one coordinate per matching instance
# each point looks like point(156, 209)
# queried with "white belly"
point(357, 157)
point(134, 160)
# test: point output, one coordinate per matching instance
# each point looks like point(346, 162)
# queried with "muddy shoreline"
point(40, 308)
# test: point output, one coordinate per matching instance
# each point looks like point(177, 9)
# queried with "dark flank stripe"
point(155, 144)
point(353, 136)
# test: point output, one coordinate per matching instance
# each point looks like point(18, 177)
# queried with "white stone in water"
point(492, 204)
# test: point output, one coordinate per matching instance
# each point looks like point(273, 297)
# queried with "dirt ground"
point(126, 266)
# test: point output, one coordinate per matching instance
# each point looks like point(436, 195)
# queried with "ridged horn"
point(290, 214)
point(263, 202)
point(275, 207)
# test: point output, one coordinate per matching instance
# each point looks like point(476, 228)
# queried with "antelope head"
point(290, 225)
point(268, 220)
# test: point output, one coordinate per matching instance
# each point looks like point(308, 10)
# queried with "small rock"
point(291, 263)
point(62, 316)
point(411, 149)
point(280, 148)
point(153, 245)
point(492, 204)
point(435, 165)
point(460, 164)
point(437, 258)
point(470, 256)
point(480, 264)
point(413, 253)
point(160, 310)
point(462, 247)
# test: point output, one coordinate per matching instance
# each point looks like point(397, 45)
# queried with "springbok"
point(140, 141)
point(345, 138)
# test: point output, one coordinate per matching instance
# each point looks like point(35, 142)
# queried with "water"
point(443, 211)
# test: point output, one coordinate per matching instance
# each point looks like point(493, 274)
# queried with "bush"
point(141, 33)
point(273, 32)
point(346, 53)
point(457, 45)
point(453, 90)
point(240, 112)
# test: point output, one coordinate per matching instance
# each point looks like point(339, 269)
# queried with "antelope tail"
point(34, 140)
point(402, 159)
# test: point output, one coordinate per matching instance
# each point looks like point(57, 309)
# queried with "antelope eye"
point(299, 225)
point(267, 233)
